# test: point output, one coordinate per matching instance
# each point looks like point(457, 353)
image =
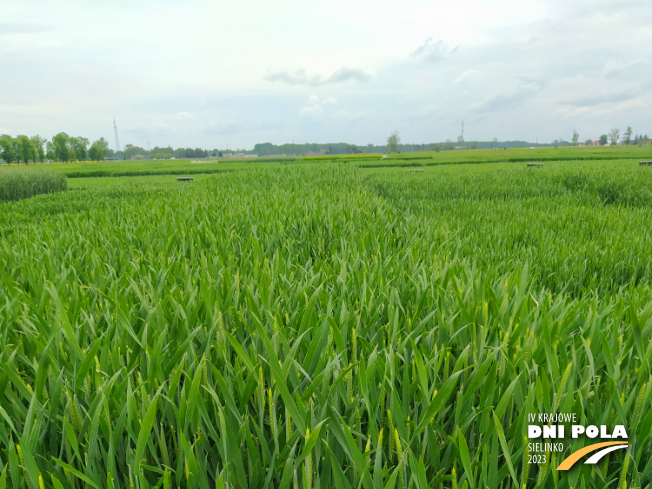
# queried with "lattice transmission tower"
point(115, 129)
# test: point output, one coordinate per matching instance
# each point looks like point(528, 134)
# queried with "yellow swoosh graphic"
point(575, 456)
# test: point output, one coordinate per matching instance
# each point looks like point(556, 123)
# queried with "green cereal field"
point(334, 323)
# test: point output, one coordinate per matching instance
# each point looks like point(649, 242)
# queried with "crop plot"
point(320, 325)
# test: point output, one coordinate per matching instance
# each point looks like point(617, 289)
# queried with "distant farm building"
point(238, 155)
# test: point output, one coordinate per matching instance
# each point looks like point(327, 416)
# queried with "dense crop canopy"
point(318, 327)
point(16, 184)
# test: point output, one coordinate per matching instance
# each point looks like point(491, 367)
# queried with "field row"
point(416, 159)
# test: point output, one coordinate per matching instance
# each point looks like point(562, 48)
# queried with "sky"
point(231, 73)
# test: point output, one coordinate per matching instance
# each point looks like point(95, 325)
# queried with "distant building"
point(238, 155)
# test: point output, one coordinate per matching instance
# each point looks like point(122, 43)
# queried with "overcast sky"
point(212, 73)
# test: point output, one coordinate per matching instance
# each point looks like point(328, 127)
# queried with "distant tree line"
point(62, 147)
point(612, 138)
point(65, 148)
point(291, 149)
point(168, 152)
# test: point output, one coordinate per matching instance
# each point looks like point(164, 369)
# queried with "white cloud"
point(312, 111)
point(468, 76)
point(300, 77)
point(314, 108)
point(433, 51)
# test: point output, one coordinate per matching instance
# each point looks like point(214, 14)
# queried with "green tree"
point(96, 151)
point(576, 138)
point(93, 152)
point(604, 139)
point(26, 149)
point(392, 142)
point(61, 149)
point(627, 135)
point(79, 145)
point(39, 142)
point(8, 149)
point(104, 143)
point(49, 151)
point(130, 151)
point(107, 151)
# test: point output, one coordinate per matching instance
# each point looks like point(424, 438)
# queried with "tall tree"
point(61, 149)
point(79, 145)
point(104, 143)
point(96, 152)
point(49, 151)
point(26, 149)
point(614, 136)
point(392, 142)
point(627, 135)
point(39, 142)
point(8, 149)
point(576, 137)
point(604, 139)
